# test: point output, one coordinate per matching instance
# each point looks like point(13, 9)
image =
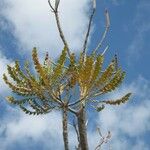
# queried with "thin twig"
point(88, 32)
point(103, 139)
point(78, 101)
point(105, 32)
point(74, 125)
point(62, 103)
point(61, 33)
point(103, 53)
point(55, 11)
point(49, 2)
point(116, 62)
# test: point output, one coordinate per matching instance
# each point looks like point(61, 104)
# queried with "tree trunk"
point(82, 129)
point(65, 129)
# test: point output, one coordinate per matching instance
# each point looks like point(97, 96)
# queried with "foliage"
point(40, 90)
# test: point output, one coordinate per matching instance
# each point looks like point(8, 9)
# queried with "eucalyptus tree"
point(70, 84)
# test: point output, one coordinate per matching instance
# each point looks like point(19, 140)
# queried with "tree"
point(69, 85)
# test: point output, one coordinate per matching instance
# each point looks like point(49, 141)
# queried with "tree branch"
point(55, 11)
point(88, 32)
point(105, 32)
point(103, 139)
point(65, 127)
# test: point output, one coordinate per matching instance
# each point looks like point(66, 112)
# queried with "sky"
point(25, 24)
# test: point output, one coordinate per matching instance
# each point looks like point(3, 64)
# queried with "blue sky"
point(25, 24)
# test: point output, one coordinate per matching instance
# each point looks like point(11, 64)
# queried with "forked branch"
point(103, 139)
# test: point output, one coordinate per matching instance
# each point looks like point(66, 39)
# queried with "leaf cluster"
point(43, 91)
point(88, 73)
point(39, 91)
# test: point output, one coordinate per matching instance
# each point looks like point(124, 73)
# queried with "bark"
point(65, 129)
point(82, 129)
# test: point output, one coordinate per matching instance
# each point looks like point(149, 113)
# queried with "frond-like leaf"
point(106, 75)
point(39, 67)
point(19, 72)
point(122, 100)
point(58, 70)
point(114, 83)
point(100, 108)
point(11, 100)
point(35, 106)
point(97, 67)
point(17, 89)
point(28, 111)
point(13, 74)
point(72, 71)
point(27, 69)
point(85, 74)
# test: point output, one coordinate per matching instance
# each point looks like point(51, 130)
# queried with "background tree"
point(70, 85)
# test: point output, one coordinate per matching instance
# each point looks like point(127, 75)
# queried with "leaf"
point(72, 71)
point(26, 66)
point(85, 74)
point(11, 100)
point(100, 108)
point(39, 67)
point(26, 111)
point(13, 74)
point(19, 72)
point(35, 106)
point(17, 89)
point(106, 75)
point(97, 68)
point(58, 70)
point(114, 83)
point(122, 100)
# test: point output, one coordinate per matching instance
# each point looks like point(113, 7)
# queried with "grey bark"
point(82, 129)
point(65, 129)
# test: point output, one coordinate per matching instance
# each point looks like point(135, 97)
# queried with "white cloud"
point(18, 127)
point(46, 130)
point(130, 120)
point(35, 24)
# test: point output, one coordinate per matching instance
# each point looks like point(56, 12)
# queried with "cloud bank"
point(129, 123)
point(34, 24)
